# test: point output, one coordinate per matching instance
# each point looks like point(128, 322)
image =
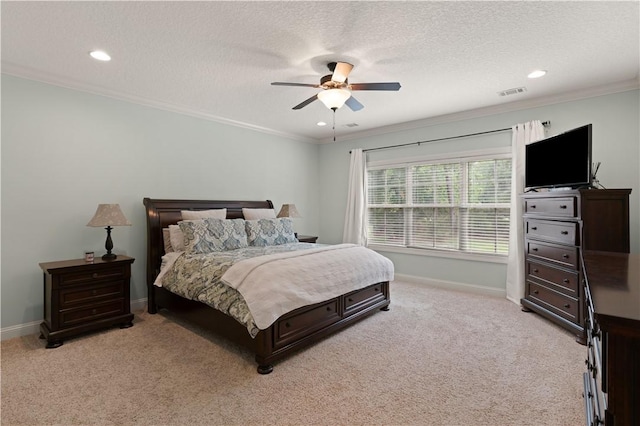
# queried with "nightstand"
point(306, 238)
point(82, 296)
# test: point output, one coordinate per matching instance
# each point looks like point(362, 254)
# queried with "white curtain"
point(355, 220)
point(523, 134)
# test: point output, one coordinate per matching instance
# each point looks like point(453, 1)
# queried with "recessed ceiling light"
point(100, 55)
point(537, 74)
point(321, 123)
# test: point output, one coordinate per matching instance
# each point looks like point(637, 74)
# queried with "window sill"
point(476, 257)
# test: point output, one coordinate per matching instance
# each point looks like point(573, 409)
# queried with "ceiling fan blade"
point(354, 104)
point(305, 103)
point(279, 83)
point(341, 72)
point(375, 86)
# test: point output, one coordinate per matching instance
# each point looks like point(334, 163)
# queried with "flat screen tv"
point(560, 161)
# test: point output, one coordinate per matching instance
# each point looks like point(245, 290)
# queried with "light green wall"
point(616, 143)
point(64, 152)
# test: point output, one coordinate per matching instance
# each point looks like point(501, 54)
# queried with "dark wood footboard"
point(291, 332)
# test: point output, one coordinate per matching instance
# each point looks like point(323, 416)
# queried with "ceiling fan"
point(336, 89)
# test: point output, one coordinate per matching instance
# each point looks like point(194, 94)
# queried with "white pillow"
point(204, 214)
point(255, 214)
point(166, 238)
point(176, 237)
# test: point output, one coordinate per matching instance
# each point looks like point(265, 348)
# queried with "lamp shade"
point(334, 98)
point(109, 215)
point(289, 210)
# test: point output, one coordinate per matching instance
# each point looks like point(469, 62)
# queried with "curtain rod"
point(544, 123)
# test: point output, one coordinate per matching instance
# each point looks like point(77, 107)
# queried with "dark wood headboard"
point(162, 213)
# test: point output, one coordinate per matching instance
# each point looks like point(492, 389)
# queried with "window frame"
point(459, 157)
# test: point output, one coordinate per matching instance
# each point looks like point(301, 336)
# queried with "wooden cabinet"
point(80, 296)
point(558, 226)
point(612, 379)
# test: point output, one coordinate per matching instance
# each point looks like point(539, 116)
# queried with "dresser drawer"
point(91, 276)
point(95, 312)
point(556, 206)
point(74, 296)
point(366, 296)
point(566, 256)
point(560, 279)
point(551, 230)
point(293, 326)
point(557, 302)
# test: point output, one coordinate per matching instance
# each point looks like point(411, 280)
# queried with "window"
point(454, 205)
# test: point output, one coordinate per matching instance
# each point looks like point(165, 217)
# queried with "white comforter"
point(275, 284)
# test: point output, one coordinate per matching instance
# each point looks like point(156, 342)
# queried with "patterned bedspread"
point(198, 277)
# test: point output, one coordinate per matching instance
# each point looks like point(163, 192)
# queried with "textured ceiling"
point(217, 59)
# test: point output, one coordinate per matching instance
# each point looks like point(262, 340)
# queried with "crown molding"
point(591, 92)
point(29, 74)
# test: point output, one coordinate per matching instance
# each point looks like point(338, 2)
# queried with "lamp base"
point(109, 256)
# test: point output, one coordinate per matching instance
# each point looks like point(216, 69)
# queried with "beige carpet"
point(436, 358)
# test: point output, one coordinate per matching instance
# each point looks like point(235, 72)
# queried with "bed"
point(289, 332)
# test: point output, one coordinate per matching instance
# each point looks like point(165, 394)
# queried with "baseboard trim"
point(33, 327)
point(141, 304)
point(451, 285)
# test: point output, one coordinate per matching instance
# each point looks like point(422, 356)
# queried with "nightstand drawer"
point(556, 206)
point(562, 280)
point(565, 306)
point(73, 296)
point(92, 313)
point(566, 256)
point(80, 277)
point(549, 230)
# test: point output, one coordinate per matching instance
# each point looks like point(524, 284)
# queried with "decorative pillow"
point(212, 235)
point(176, 238)
point(166, 239)
point(204, 214)
point(270, 232)
point(255, 214)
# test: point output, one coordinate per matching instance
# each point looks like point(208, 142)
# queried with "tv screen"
point(563, 160)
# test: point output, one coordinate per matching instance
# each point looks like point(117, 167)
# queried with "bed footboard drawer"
point(359, 299)
point(296, 325)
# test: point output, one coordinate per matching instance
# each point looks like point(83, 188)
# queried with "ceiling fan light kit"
point(334, 98)
point(336, 89)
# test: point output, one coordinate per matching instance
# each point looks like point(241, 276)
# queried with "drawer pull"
point(286, 324)
point(566, 305)
point(350, 300)
point(95, 275)
point(565, 256)
point(535, 292)
point(534, 249)
point(564, 232)
point(535, 270)
point(329, 308)
point(566, 281)
point(533, 206)
point(375, 289)
point(563, 206)
point(534, 228)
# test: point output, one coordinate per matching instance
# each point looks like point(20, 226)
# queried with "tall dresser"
point(558, 226)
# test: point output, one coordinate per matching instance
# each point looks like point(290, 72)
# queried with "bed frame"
point(290, 332)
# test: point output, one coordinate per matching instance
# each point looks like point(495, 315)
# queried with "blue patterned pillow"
point(270, 232)
point(210, 235)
